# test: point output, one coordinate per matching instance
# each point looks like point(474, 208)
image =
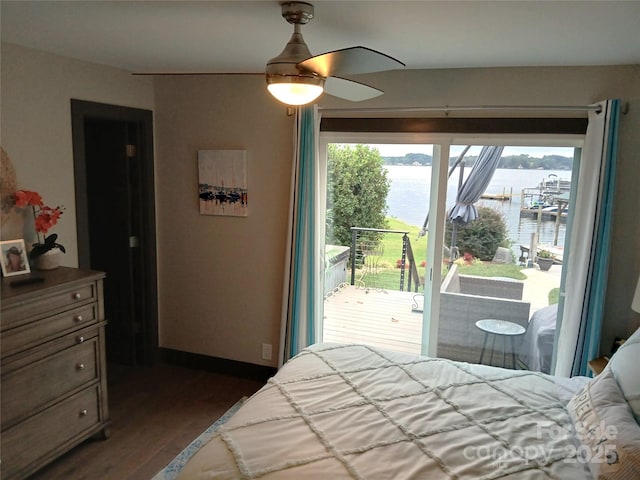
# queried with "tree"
point(357, 188)
point(482, 237)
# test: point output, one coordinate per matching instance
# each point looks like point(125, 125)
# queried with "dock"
point(533, 213)
point(500, 197)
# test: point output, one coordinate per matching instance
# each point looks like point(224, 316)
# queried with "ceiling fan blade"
point(350, 90)
point(350, 61)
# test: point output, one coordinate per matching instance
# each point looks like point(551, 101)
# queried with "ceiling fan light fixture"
point(295, 90)
point(295, 77)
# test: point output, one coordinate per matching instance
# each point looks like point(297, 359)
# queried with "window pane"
point(492, 284)
point(374, 271)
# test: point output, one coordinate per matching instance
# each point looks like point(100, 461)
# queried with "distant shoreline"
point(499, 168)
point(510, 162)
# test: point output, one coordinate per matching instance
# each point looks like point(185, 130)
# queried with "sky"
point(399, 150)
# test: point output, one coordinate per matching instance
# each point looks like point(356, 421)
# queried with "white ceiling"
point(240, 36)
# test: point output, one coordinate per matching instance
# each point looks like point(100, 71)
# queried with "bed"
point(352, 411)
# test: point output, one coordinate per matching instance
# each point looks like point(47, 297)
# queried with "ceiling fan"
point(295, 77)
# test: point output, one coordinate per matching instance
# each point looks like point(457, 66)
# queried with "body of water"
point(408, 199)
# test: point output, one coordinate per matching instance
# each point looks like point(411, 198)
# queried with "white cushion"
point(624, 365)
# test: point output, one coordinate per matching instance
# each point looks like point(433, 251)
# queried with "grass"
point(387, 278)
point(387, 274)
point(392, 243)
point(493, 270)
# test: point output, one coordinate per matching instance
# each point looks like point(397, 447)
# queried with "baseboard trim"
point(224, 366)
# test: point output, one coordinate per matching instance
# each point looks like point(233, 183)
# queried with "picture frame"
point(14, 258)
point(222, 182)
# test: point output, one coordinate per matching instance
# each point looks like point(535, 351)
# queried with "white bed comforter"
point(352, 411)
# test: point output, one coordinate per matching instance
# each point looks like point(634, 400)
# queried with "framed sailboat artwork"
point(222, 185)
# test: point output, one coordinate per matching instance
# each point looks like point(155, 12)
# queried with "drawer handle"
point(78, 318)
point(80, 366)
point(80, 339)
point(77, 296)
point(84, 412)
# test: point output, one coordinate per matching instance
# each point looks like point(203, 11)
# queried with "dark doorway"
point(113, 160)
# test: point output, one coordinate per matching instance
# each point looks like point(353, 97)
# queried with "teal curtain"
point(593, 307)
point(301, 302)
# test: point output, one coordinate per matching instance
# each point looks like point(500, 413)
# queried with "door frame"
point(81, 111)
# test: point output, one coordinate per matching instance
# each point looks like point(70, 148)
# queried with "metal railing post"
point(405, 238)
point(353, 255)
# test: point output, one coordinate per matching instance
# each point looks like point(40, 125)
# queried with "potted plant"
point(545, 259)
point(46, 252)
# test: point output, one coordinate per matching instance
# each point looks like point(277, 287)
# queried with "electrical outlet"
point(266, 351)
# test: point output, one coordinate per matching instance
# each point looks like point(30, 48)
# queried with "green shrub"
point(482, 237)
point(357, 188)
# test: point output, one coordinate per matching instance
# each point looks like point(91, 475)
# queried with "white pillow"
point(624, 365)
point(605, 426)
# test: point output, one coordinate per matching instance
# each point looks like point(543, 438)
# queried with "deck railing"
point(366, 249)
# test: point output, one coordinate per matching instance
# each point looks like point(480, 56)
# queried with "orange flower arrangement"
point(45, 218)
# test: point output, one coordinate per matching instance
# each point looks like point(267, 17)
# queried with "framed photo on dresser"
point(14, 258)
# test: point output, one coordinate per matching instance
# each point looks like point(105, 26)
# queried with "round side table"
point(500, 328)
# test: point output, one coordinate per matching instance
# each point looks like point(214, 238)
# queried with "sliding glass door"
point(420, 283)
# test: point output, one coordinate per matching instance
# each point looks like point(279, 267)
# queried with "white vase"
point(49, 260)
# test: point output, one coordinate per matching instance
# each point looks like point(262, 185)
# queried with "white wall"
point(220, 278)
point(499, 86)
point(36, 90)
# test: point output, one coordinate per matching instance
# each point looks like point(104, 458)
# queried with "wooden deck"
point(378, 318)
point(385, 318)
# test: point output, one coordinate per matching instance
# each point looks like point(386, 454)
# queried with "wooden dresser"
point(54, 379)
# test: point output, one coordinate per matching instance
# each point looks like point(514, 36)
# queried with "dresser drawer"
point(43, 329)
point(55, 302)
point(29, 388)
point(42, 437)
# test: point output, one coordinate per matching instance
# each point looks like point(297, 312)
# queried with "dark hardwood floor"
point(155, 413)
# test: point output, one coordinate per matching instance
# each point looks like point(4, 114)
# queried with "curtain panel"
point(582, 301)
point(302, 293)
